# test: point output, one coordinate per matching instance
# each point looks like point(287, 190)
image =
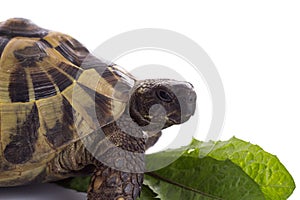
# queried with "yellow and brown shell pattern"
point(49, 85)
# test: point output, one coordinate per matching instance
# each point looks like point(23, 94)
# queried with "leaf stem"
point(154, 175)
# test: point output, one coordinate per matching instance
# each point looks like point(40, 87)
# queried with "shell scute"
point(21, 27)
point(20, 124)
point(52, 93)
point(3, 42)
point(67, 46)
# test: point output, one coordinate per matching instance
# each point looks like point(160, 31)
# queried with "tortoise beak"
point(188, 98)
point(188, 109)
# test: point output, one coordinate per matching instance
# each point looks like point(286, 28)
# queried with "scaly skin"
point(112, 184)
point(108, 182)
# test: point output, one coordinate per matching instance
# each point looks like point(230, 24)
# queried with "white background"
point(255, 46)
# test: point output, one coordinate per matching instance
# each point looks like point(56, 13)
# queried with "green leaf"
point(264, 168)
point(202, 178)
point(232, 169)
point(148, 194)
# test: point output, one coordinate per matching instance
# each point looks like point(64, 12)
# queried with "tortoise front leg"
point(110, 184)
point(119, 162)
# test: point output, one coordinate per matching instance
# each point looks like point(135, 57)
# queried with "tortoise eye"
point(164, 96)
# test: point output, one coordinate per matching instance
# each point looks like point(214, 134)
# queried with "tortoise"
point(66, 113)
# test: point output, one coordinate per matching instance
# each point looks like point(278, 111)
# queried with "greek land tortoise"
point(66, 113)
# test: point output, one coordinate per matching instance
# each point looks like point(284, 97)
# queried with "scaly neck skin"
point(152, 135)
point(105, 146)
point(121, 176)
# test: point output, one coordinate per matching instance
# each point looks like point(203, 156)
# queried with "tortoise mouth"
point(187, 110)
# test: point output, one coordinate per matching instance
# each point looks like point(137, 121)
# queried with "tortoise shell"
point(50, 84)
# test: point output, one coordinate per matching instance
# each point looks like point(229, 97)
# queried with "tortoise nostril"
point(191, 85)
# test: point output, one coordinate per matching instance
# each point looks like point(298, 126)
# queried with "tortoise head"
point(160, 103)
